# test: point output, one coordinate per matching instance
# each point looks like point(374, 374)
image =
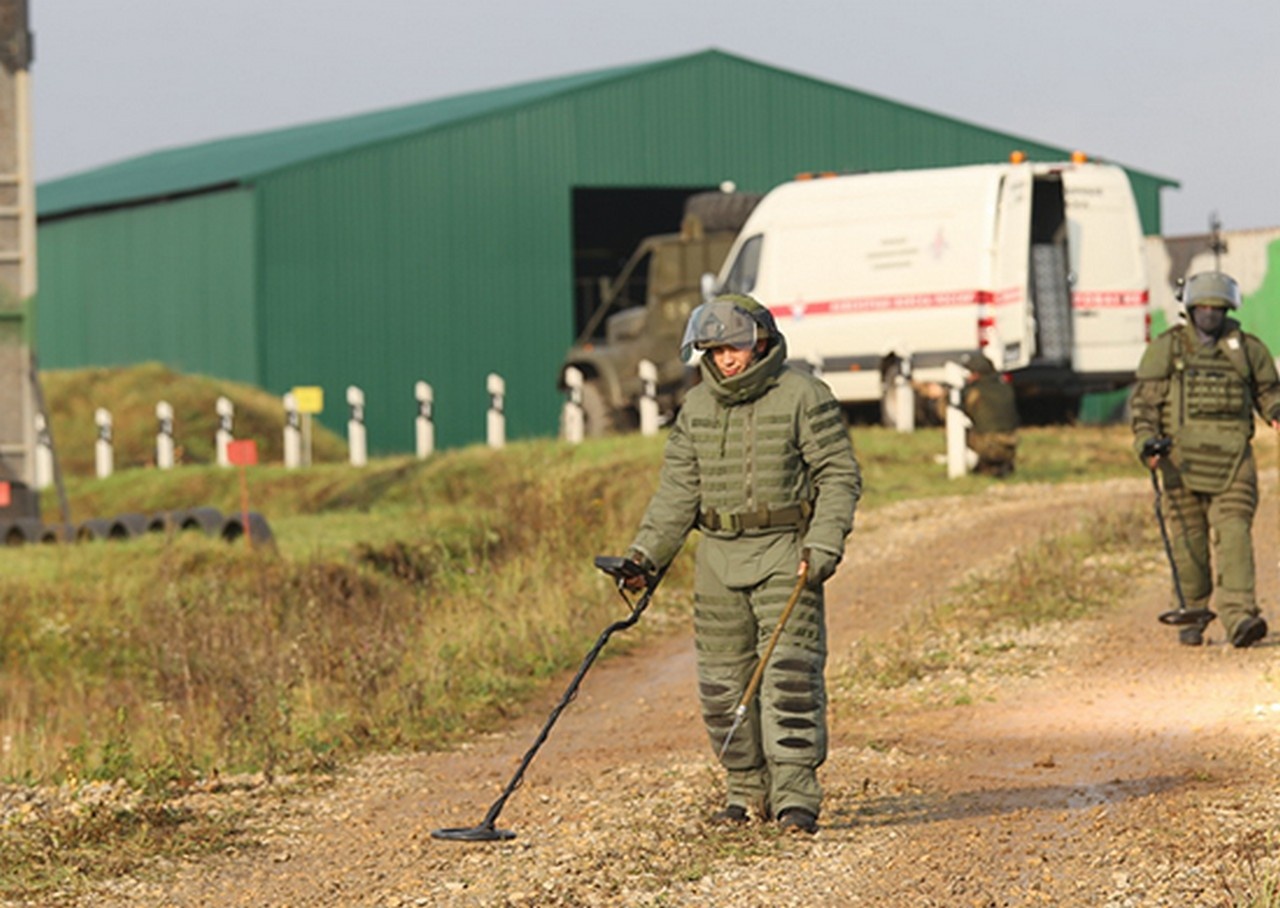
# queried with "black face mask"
point(1208, 319)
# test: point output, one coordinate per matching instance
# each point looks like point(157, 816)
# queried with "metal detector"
point(1180, 615)
point(621, 570)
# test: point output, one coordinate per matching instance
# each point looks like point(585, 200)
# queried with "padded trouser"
point(774, 754)
point(1212, 541)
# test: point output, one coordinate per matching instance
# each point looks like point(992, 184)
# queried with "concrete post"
point(222, 437)
point(164, 435)
point(904, 417)
point(573, 420)
point(497, 421)
point(424, 428)
point(103, 455)
point(957, 423)
point(44, 453)
point(357, 438)
point(648, 397)
point(292, 432)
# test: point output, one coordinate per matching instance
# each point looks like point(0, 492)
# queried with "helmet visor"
point(718, 323)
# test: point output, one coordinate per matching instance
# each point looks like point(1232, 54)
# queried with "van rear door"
point(1006, 323)
point(1109, 264)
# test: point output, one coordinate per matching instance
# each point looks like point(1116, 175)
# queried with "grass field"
point(405, 605)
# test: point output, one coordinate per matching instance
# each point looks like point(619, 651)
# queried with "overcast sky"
point(1182, 89)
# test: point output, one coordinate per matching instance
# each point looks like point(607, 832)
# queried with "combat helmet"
point(1210, 288)
point(729, 320)
point(976, 361)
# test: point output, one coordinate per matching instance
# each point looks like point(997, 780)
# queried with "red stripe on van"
point(1089, 299)
point(1108, 299)
point(898, 301)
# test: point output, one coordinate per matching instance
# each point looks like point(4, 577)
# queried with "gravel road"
point(1100, 764)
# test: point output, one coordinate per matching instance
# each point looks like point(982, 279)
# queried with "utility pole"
point(17, 248)
point(1216, 242)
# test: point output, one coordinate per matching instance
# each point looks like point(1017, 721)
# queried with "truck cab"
point(643, 312)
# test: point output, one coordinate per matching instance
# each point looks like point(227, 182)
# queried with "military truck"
point(643, 311)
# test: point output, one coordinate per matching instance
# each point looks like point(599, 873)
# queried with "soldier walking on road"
point(760, 461)
point(1200, 384)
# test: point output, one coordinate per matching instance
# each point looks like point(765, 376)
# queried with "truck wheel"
point(596, 416)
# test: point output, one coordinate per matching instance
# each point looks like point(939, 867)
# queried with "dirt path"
point(1119, 769)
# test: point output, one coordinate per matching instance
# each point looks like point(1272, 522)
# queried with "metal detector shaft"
point(1168, 546)
point(485, 831)
point(740, 712)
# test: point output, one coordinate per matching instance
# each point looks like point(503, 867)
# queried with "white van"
point(872, 276)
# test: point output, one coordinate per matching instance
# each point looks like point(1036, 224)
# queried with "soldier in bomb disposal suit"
point(1199, 384)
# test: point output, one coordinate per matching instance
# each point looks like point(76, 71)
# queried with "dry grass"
point(407, 604)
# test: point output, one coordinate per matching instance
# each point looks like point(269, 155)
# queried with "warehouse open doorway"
point(608, 226)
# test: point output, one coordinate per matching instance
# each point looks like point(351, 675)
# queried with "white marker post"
point(954, 376)
point(310, 401)
point(357, 437)
point(497, 419)
point(573, 420)
point(904, 417)
point(292, 432)
point(164, 435)
point(103, 455)
point(44, 453)
point(223, 437)
point(648, 397)
point(424, 428)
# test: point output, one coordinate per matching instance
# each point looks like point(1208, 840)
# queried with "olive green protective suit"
point(762, 464)
point(1204, 396)
point(989, 403)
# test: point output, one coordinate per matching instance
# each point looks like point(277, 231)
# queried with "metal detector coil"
point(620, 569)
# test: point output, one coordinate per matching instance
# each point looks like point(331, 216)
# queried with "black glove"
point(1156, 447)
point(639, 580)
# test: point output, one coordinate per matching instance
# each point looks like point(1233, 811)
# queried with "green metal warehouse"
point(445, 240)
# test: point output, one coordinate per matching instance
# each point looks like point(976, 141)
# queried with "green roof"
point(196, 168)
point(229, 162)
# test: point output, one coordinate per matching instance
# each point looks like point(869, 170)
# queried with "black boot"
point(797, 819)
point(733, 815)
point(1249, 631)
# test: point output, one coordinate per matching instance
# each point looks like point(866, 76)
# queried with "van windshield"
point(746, 267)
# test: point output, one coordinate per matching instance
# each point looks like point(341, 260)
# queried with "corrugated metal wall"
point(445, 257)
point(448, 255)
point(441, 259)
point(170, 281)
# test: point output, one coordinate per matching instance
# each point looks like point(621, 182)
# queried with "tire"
point(259, 530)
point(597, 418)
point(93, 529)
point(127, 526)
point(207, 520)
point(23, 530)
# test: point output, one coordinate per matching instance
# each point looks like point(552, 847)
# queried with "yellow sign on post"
point(309, 400)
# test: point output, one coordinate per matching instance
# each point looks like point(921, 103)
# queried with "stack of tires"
point(17, 531)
